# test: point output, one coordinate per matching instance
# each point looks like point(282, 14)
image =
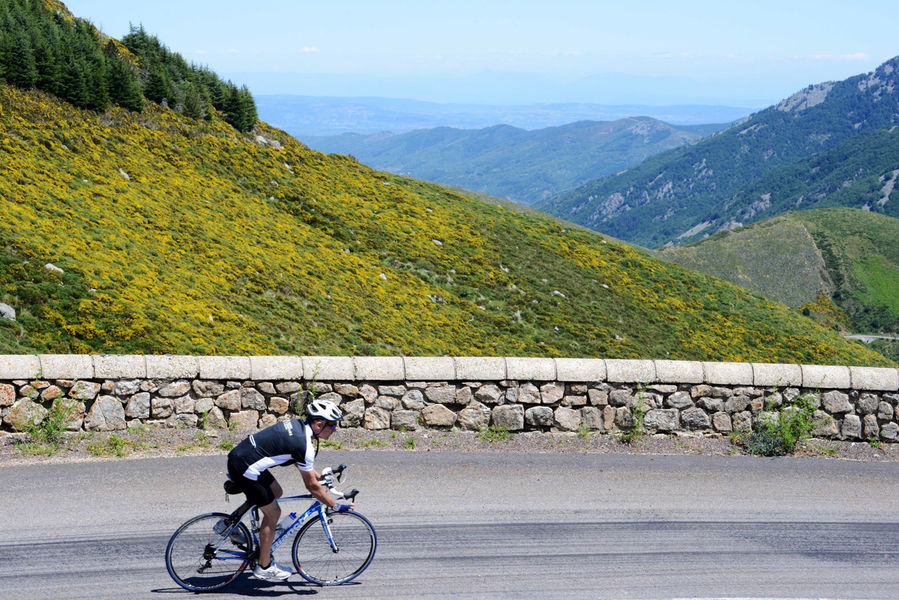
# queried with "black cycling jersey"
point(285, 443)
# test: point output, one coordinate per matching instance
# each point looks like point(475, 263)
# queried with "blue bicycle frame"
point(226, 554)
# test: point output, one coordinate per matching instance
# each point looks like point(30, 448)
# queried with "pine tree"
point(74, 83)
point(97, 89)
point(193, 103)
point(158, 87)
point(18, 57)
point(122, 82)
point(248, 109)
point(49, 68)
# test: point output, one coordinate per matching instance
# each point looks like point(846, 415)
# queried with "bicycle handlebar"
point(328, 476)
point(336, 471)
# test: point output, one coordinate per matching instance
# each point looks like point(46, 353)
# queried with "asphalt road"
point(487, 525)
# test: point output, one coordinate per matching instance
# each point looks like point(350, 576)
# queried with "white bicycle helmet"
point(324, 410)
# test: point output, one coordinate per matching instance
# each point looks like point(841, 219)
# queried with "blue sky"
point(521, 51)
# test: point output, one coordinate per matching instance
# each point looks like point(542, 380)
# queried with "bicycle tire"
point(314, 558)
point(201, 560)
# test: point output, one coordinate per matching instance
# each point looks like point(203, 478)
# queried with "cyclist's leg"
point(271, 513)
point(262, 492)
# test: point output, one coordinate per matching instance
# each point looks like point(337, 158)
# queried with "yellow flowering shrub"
point(184, 236)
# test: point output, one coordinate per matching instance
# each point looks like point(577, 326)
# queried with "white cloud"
point(855, 56)
point(232, 51)
point(201, 51)
point(306, 49)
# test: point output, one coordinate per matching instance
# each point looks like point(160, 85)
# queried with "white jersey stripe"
point(263, 464)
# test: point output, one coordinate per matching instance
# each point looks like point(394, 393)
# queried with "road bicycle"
point(209, 551)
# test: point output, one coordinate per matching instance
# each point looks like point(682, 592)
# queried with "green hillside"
point(155, 232)
point(512, 163)
point(833, 144)
point(839, 265)
point(861, 251)
point(777, 258)
point(184, 236)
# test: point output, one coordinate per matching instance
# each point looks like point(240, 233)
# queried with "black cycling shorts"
point(258, 492)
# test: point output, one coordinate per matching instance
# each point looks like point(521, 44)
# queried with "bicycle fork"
point(326, 522)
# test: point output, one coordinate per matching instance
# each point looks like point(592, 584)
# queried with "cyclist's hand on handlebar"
point(342, 506)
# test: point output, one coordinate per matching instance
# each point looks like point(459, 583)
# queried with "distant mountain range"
point(832, 144)
point(512, 163)
point(303, 116)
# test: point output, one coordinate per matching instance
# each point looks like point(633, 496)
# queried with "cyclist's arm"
point(318, 491)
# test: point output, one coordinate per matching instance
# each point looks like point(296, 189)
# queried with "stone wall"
point(112, 392)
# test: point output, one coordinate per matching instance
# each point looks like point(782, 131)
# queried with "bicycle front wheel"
point(200, 560)
point(354, 547)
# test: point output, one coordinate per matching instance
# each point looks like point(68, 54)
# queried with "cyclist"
point(285, 443)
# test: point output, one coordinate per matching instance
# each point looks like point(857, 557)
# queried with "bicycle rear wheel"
point(200, 560)
point(316, 561)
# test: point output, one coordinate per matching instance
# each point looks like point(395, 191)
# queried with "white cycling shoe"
point(272, 573)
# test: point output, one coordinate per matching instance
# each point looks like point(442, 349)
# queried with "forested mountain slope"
point(833, 144)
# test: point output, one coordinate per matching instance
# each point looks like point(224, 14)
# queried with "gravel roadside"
point(18, 449)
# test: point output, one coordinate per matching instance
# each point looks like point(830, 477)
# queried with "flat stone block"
point(328, 368)
point(276, 368)
point(622, 370)
point(679, 371)
point(429, 368)
point(119, 366)
point(522, 368)
point(776, 375)
point(480, 368)
point(224, 367)
point(171, 366)
point(580, 369)
point(723, 373)
point(826, 377)
point(874, 378)
point(379, 368)
point(67, 366)
point(19, 366)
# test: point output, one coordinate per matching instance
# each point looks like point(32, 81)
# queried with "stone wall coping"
point(224, 367)
point(66, 366)
point(172, 366)
point(826, 376)
point(119, 366)
point(874, 378)
point(477, 368)
point(626, 370)
point(429, 368)
point(530, 369)
point(443, 368)
point(379, 368)
point(276, 368)
point(19, 366)
point(728, 373)
point(580, 369)
point(328, 368)
point(679, 371)
point(776, 375)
